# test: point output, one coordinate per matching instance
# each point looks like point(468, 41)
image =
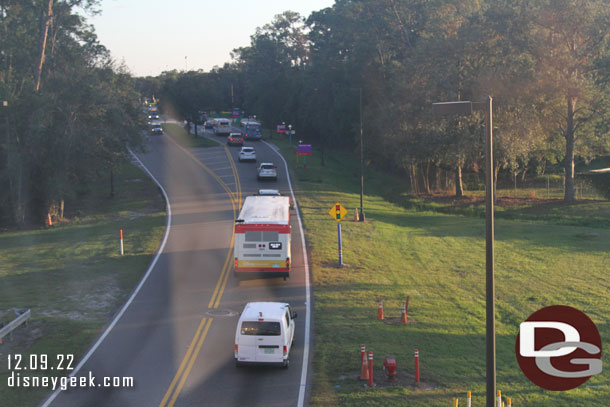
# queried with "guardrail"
point(7, 329)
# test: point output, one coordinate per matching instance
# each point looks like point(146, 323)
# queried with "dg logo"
point(559, 348)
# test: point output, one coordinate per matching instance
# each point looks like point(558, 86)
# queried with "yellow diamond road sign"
point(337, 212)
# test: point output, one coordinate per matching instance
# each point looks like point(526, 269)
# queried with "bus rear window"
point(261, 328)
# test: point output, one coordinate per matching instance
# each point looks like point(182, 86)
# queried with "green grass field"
point(438, 260)
point(71, 275)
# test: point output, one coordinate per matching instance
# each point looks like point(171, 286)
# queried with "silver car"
point(247, 154)
point(267, 171)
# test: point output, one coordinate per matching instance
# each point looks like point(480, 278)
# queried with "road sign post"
point(339, 243)
point(337, 212)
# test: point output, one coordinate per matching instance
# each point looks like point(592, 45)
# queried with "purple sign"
point(304, 149)
point(236, 112)
point(281, 128)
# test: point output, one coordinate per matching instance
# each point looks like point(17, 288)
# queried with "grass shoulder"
point(438, 259)
point(72, 276)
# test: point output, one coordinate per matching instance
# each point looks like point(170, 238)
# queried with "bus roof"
point(265, 210)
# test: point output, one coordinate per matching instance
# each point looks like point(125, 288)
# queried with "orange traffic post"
point(499, 399)
point(121, 234)
point(406, 309)
point(370, 369)
point(468, 399)
point(508, 402)
point(380, 310)
point(403, 315)
point(364, 365)
point(49, 221)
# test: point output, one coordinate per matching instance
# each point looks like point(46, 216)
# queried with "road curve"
point(175, 338)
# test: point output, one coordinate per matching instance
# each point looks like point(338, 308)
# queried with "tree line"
point(545, 63)
point(67, 112)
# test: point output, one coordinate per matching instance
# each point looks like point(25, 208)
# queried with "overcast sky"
point(151, 36)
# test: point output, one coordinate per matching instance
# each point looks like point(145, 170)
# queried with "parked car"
point(247, 154)
point(156, 128)
point(264, 334)
point(267, 171)
point(235, 139)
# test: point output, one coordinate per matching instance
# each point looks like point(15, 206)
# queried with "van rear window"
point(261, 328)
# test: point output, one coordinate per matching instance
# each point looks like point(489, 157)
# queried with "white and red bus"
point(262, 236)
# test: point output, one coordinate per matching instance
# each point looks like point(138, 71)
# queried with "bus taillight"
point(236, 262)
point(287, 262)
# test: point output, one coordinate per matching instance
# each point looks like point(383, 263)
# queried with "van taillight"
point(285, 349)
point(287, 262)
point(236, 349)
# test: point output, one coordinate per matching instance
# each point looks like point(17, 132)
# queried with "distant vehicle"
point(267, 171)
point(156, 128)
point(264, 334)
point(209, 124)
point(262, 236)
point(247, 154)
point(153, 115)
point(235, 139)
point(273, 192)
point(223, 127)
point(252, 130)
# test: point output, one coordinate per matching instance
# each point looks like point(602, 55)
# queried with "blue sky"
point(151, 36)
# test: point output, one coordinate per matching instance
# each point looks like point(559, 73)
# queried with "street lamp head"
point(5, 103)
point(290, 127)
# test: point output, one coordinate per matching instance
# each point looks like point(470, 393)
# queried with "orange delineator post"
point(364, 366)
point(499, 398)
point(508, 402)
point(370, 369)
point(380, 310)
point(469, 399)
point(416, 366)
point(403, 315)
point(49, 221)
point(121, 233)
point(406, 309)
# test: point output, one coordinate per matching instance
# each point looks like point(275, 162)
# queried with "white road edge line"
point(303, 384)
point(135, 292)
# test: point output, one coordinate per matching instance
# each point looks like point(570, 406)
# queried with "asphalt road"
point(176, 337)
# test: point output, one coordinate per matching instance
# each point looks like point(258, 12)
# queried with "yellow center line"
point(225, 269)
point(190, 364)
point(191, 355)
point(209, 171)
point(183, 364)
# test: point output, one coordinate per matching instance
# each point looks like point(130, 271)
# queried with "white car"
point(264, 334)
point(247, 154)
point(267, 171)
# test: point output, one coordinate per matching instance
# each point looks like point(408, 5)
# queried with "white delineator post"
point(121, 233)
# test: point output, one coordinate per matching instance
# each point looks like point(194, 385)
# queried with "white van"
point(264, 334)
point(223, 127)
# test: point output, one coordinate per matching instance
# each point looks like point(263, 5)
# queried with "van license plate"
point(268, 351)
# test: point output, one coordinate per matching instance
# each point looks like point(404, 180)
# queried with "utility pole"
point(361, 217)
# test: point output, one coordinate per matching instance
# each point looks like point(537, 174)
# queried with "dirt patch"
point(502, 201)
point(381, 379)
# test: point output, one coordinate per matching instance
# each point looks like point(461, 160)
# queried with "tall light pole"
point(361, 217)
point(466, 108)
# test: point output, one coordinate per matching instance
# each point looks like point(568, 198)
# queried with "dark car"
point(156, 129)
point(235, 139)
